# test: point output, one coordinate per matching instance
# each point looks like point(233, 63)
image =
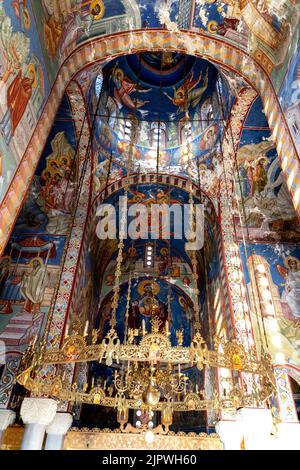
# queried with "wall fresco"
point(24, 86)
point(31, 263)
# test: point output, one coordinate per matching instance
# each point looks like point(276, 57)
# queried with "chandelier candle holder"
point(149, 372)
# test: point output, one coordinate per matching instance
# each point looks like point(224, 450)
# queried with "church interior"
point(178, 329)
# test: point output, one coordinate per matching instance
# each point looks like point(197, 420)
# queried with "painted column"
point(234, 284)
point(233, 263)
point(57, 430)
point(59, 314)
point(230, 434)
point(7, 418)
point(256, 427)
point(36, 414)
point(287, 408)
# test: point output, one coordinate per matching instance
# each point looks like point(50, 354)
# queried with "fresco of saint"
point(147, 306)
point(291, 293)
point(18, 96)
point(33, 286)
point(67, 20)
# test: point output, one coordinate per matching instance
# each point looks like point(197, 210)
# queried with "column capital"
point(256, 425)
point(60, 424)
point(38, 411)
point(230, 434)
point(7, 418)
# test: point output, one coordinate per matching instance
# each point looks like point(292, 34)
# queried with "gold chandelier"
point(148, 372)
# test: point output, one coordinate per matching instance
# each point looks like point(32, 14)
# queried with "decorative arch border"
point(106, 48)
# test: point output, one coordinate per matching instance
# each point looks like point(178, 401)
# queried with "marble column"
point(230, 434)
point(256, 426)
point(37, 414)
point(7, 418)
point(57, 430)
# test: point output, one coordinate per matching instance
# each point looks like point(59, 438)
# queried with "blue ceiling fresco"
point(159, 81)
point(155, 93)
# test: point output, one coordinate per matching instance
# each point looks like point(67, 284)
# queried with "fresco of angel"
point(67, 20)
point(291, 275)
point(188, 94)
point(123, 89)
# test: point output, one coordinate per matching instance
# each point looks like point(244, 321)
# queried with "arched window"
point(181, 131)
point(206, 114)
point(185, 131)
point(128, 128)
point(98, 85)
point(112, 113)
point(158, 135)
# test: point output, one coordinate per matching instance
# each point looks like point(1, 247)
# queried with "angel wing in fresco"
point(188, 94)
point(124, 87)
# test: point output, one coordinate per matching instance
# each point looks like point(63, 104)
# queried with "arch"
point(117, 186)
point(104, 48)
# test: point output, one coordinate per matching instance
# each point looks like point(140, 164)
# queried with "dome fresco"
point(153, 94)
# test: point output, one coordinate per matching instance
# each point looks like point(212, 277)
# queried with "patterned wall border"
point(108, 47)
point(58, 314)
point(287, 407)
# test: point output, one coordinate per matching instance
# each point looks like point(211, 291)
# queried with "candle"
point(93, 382)
point(86, 329)
point(179, 370)
point(144, 327)
point(67, 331)
point(197, 389)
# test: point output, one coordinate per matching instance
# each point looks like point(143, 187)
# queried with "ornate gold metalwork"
point(96, 439)
point(153, 347)
point(149, 380)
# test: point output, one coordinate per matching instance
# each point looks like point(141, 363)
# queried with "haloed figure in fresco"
point(188, 94)
point(33, 286)
point(291, 294)
point(18, 96)
point(67, 20)
point(147, 306)
point(123, 89)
